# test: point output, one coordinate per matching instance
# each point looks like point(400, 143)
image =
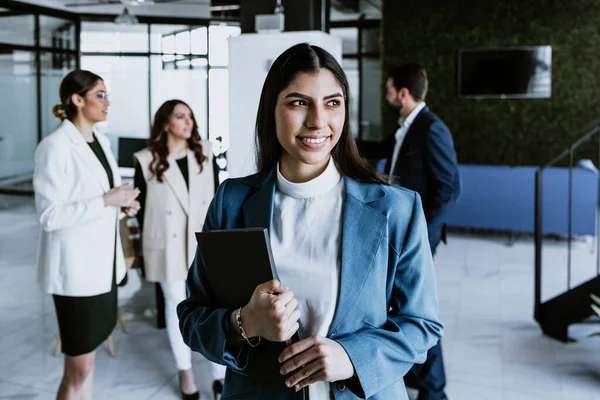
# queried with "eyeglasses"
point(102, 95)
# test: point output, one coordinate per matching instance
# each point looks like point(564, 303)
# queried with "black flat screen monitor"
point(516, 72)
point(128, 146)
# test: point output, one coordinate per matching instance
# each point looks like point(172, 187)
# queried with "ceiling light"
point(138, 2)
point(126, 18)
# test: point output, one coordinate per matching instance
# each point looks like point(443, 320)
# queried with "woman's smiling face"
point(309, 118)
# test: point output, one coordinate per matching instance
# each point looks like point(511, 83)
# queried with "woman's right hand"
point(121, 196)
point(272, 312)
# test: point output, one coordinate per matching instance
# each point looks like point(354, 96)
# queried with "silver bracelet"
point(254, 341)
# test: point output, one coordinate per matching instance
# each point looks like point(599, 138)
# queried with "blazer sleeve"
point(442, 169)
point(383, 355)
point(204, 327)
point(55, 210)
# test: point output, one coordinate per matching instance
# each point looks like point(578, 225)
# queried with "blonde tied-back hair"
point(59, 112)
point(78, 82)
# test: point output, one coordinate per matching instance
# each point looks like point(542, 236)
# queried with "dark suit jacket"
point(426, 164)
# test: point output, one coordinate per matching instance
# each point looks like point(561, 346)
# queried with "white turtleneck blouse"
point(306, 242)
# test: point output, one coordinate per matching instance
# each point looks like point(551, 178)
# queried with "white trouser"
point(174, 293)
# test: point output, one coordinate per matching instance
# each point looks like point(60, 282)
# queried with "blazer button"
point(341, 387)
point(169, 212)
point(174, 235)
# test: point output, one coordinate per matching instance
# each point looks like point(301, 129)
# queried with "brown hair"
point(308, 59)
point(78, 82)
point(158, 140)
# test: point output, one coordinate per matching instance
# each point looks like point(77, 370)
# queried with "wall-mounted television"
point(511, 72)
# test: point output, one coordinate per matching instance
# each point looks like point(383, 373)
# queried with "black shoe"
point(217, 389)
point(191, 396)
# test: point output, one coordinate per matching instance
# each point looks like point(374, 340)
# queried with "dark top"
point(97, 149)
point(183, 167)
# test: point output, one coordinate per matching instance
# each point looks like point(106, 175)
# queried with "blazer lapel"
point(412, 133)
point(175, 180)
point(86, 154)
point(200, 183)
point(363, 229)
point(258, 209)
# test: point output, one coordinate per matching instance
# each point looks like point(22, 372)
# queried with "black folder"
point(237, 261)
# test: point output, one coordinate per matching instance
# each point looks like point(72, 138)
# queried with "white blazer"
point(78, 233)
point(173, 214)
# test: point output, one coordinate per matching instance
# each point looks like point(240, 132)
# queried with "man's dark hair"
point(412, 77)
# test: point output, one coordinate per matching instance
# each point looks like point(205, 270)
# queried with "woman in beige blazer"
point(177, 181)
point(78, 196)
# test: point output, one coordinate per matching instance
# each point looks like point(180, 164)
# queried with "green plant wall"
point(495, 131)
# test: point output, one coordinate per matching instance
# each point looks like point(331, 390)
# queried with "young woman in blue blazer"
point(351, 253)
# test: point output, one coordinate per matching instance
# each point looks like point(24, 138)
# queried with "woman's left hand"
point(132, 209)
point(315, 359)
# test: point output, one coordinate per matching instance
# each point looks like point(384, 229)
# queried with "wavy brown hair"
point(297, 59)
point(158, 139)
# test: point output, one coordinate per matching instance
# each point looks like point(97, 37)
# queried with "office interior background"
point(522, 257)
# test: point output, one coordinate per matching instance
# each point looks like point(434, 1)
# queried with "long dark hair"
point(308, 59)
point(158, 139)
point(78, 82)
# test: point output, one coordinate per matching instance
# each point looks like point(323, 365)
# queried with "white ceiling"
point(177, 8)
point(186, 8)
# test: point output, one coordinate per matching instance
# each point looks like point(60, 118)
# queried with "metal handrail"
point(538, 217)
point(574, 146)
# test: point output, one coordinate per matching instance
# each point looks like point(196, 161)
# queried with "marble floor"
point(493, 348)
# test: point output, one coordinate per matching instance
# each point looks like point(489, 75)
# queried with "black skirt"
point(85, 322)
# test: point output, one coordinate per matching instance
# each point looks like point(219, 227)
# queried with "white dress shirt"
point(405, 124)
point(306, 242)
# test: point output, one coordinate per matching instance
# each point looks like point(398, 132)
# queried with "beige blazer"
point(78, 233)
point(173, 214)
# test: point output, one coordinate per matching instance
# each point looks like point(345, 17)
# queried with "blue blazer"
point(387, 312)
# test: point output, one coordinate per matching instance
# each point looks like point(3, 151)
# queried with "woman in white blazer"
point(177, 181)
point(79, 196)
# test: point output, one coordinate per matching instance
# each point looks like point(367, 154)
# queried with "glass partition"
point(108, 37)
point(57, 33)
point(126, 79)
point(17, 29)
point(32, 64)
point(18, 131)
point(188, 84)
point(181, 62)
point(54, 67)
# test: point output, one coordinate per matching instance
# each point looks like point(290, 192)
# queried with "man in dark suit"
point(420, 156)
